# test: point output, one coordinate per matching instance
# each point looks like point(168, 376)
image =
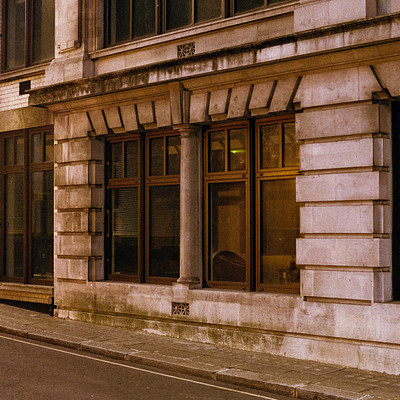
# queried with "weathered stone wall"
point(336, 79)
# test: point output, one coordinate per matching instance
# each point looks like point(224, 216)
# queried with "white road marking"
point(139, 369)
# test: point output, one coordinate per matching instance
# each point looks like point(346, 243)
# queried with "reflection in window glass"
point(43, 30)
point(37, 148)
point(179, 13)
point(131, 159)
point(18, 150)
point(14, 229)
point(124, 231)
point(144, 18)
point(164, 205)
point(207, 9)
point(237, 149)
point(173, 155)
point(291, 146)
point(270, 139)
point(49, 147)
point(42, 225)
point(15, 37)
point(228, 231)
point(245, 5)
point(116, 160)
point(157, 157)
point(9, 150)
point(119, 16)
point(279, 230)
point(216, 152)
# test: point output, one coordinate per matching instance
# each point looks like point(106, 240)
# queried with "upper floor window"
point(130, 19)
point(28, 32)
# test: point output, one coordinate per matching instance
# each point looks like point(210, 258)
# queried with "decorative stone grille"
point(186, 50)
point(180, 308)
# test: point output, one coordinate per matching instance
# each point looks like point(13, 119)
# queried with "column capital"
point(188, 130)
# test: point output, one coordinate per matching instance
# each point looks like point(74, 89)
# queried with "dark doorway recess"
point(396, 198)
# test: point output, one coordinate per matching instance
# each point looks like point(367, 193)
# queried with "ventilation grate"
point(180, 308)
point(186, 50)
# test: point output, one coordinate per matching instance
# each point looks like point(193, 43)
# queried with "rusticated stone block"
point(90, 173)
point(344, 186)
point(342, 154)
point(365, 252)
point(79, 150)
point(79, 245)
point(66, 268)
point(333, 87)
point(71, 221)
point(70, 198)
point(369, 218)
point(366, 118)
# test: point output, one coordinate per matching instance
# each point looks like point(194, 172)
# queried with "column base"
point(189, 283)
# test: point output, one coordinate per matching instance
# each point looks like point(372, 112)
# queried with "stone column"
point(191, 217)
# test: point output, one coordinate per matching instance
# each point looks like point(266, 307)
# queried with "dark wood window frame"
point(28, 38)
point(144, 182)
point(228, 9)
point(27, 168)
point(252, 176)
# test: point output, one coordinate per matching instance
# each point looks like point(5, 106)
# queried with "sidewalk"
point(296, 378)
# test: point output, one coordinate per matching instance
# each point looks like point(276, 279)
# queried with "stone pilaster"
point(191, 217)
point(345, 248)
point(79, 201)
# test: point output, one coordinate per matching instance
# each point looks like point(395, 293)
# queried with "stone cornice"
point(283, 55)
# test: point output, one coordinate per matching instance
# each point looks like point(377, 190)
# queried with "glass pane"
point(15, 33)
point(37, 148)
point(207, 9)
point(9, 149)
point(244, 5)
point(19, 150)
point(131, 159)
point(49, 147)
point(291, 156)
point(279, 230)
point(116, 160)
point(42, 225)
point(270, 138)
point(14, 229)
point(227, 232)
point(144, 17)
point(237, 149)
point(216, 152)
point(119, 18)
point(173, 155)
point(164, 231)
point(179, 13)
point(124, 231)
point(157, 156)
point(43, 30)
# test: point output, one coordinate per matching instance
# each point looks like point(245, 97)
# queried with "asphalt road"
point(32, 370)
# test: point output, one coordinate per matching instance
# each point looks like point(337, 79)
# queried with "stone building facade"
point(224, 172)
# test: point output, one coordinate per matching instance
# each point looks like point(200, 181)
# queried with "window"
point(252, 219)
point(143, 207)
point(27, 206)
point(131, 19)
point(29, 32)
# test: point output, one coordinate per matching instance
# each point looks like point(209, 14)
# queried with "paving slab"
point(307, 380)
